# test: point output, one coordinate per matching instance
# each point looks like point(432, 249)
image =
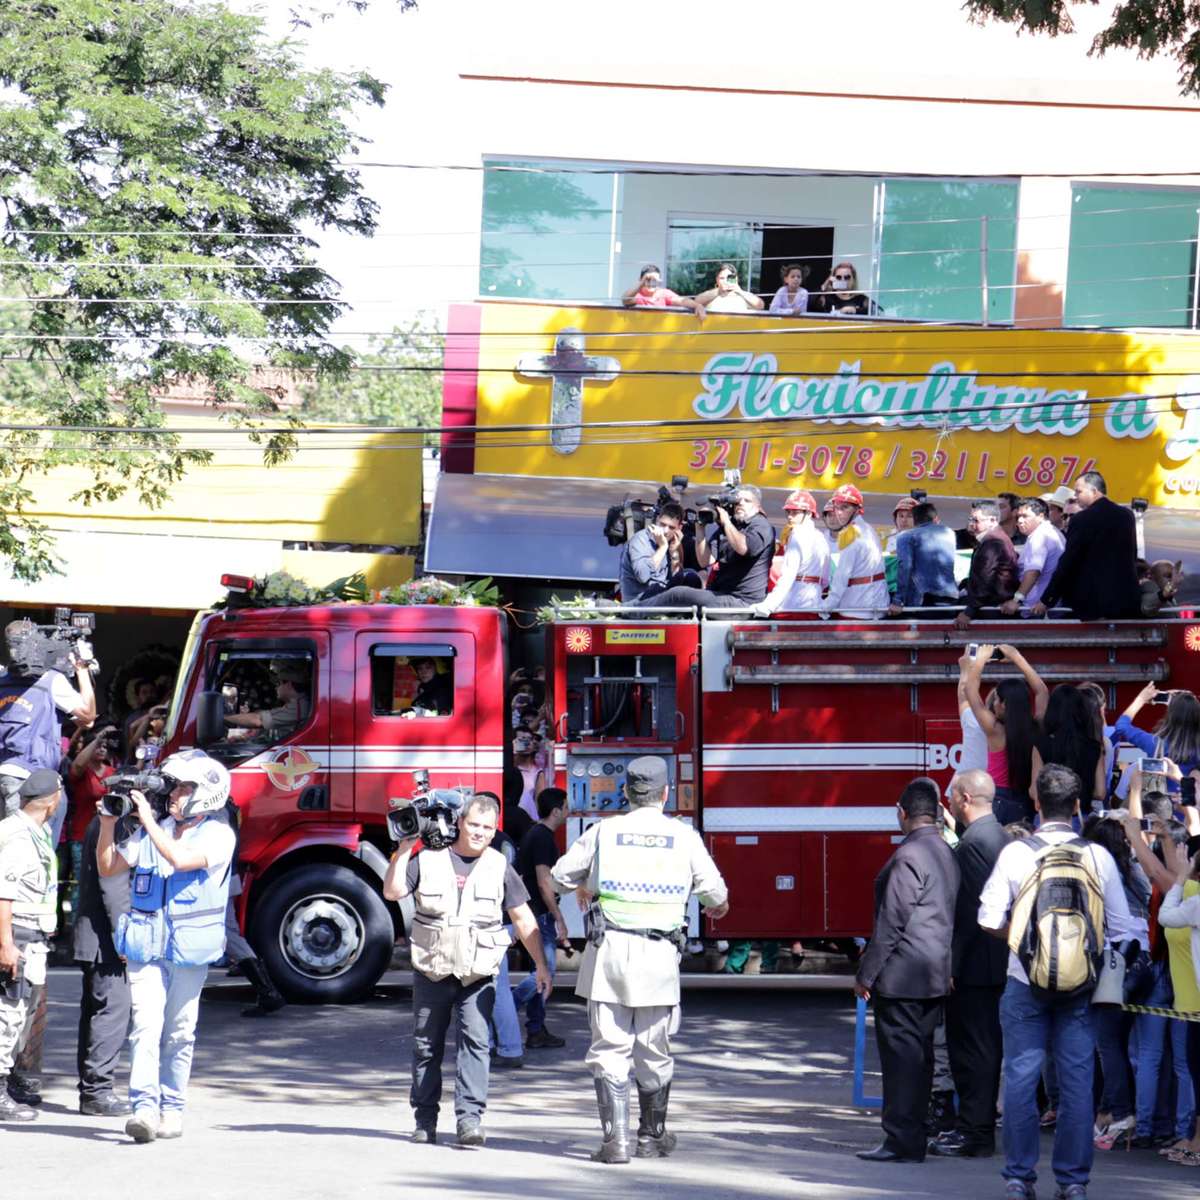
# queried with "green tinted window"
point(548, 235)
point(930, 266)
point(1133, 257)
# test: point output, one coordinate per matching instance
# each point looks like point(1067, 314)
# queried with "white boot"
point(170, 1125)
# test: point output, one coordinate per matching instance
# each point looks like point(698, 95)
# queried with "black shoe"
point(955, 1145)
point(941, 1116)
point(10, 1110)
point(269, 999)
point(653, 1138)
point(543, 1039)
point(505, 1062)
point(25, 1089)
point(470, 1132)
point(424, 1135)
point(105, 1105)
point(883, 1154)
point(612, 1098)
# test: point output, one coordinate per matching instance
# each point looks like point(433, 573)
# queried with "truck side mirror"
point(210, 723)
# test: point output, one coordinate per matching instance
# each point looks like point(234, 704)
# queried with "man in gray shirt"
point(652, 560)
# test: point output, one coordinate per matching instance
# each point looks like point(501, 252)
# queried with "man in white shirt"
point(805, 561)
point(1037, 557)
point(1031, 1025)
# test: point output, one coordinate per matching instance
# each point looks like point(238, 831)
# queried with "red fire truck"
point(788, 743)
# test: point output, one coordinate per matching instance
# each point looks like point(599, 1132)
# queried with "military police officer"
point(640, 868)
point(28, 901)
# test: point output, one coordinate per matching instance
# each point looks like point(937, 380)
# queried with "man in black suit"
point(104, 1006)
point(906, 969)
point(1097, 573)
point(978, 964)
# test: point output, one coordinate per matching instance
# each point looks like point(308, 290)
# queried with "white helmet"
point(210, 777)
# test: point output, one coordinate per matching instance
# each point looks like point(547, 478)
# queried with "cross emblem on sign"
point(569, 368)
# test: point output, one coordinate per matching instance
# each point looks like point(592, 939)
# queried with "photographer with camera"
point(462, 889)
point(34, 697)
point(28, 915)
point(741, 549)
point(175, 926)
point(653, 559)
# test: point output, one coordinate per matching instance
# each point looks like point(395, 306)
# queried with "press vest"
point(459, 934)
point(36, 905)
point(30, 731)
point(178, 917)
point(645, 877)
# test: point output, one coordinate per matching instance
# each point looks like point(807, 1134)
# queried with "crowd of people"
point(839, 294)
point(1056, 883)
point(1072, 549)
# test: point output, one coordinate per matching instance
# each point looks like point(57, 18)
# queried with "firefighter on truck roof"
point(638, 869)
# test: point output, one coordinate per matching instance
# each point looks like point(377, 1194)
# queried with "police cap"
point(43, 782)
point(646, 777)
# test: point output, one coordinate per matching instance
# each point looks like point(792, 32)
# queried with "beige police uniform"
point(631, 981)
point(29, 878)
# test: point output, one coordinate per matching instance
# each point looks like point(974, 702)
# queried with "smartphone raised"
point(1152, 766)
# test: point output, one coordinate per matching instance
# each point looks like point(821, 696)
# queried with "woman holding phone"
point(728, 296)
point(1176, 736)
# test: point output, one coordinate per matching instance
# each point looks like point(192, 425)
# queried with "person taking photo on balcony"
point(649, 292)
point(727, 296)
point(839, 295)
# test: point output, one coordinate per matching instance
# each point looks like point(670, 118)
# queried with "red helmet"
point(800, 501)
point(828, 506)
point(906, 503)
point(848, 494)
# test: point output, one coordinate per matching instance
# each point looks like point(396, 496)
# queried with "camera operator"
point(33, 702)
point(742, 548)
point(653, 559)
point(458, 940)
point(174, 929)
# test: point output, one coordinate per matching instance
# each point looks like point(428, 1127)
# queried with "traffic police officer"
point(28, 902)
point(639, 868)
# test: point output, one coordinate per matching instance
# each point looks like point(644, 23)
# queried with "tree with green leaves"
point(398, 382)
point(1151, 27)
point(163, 165)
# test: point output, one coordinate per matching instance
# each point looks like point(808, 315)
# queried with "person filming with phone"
point(727, 296)
point(1176, 736)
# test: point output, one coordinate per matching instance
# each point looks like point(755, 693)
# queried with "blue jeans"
point(1031, 1031)
point(1112, 1028)
point(165, 1000)
point(1152, 1035)
point(507, 1028)
point(525, 993)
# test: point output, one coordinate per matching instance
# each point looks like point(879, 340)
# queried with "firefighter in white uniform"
point(858, 588)
point(28, 902)
point(639, 868)
point(805, 560)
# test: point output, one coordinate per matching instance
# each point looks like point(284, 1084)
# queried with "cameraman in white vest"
point(458, 940)
point(640, 869)
point(174, 929)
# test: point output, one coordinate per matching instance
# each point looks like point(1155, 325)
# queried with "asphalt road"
point(313, 1103)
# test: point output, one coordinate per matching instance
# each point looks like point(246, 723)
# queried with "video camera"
point(431, 815)
point(33, 649)
point(117, 800)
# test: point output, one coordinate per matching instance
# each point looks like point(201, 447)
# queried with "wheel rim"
point(321, 937)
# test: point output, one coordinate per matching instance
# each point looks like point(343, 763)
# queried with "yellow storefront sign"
point(959, 411)
point(638, 637)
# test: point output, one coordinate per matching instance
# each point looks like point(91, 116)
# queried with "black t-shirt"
point(436, 695)
point(832, 303)
point(517, 822)
point(538, 848)
point(745, 575)
point(514, 890)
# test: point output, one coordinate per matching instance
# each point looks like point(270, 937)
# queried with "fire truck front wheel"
point(324, 933)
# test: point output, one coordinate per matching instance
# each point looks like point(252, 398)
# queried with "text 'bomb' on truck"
point(788, 743)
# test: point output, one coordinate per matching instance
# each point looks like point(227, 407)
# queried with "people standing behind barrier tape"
point(649, 292)
point(924, 563)
point(458, 939)
point(740, 551)
point(977, 967)
point(28, 916)
point(905, 970)
point(1010, 722)
point(1096, 577)
point(104, 1005)
point(1052, 1014)
point(805, 572)
point(727, 296)
point(174, 930)
point(1037, 557)
point(653, 559)
point(858, 588)
point(1068, 737)
point(839, 294)
point(902, 519)
point(33, 702)
point(993, 576)
point(637, 871)
point(792, 299)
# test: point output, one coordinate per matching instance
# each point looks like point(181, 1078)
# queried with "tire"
point(325, 934)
